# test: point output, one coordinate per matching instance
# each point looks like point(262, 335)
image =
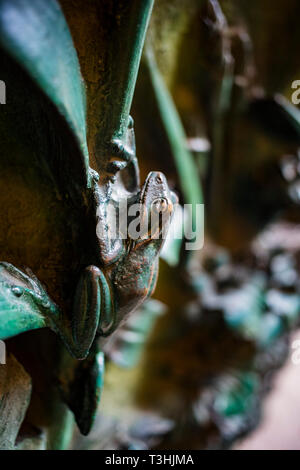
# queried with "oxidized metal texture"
point(56, 273)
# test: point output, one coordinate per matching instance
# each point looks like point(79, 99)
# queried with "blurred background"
point(207, 363)
point(212, 359)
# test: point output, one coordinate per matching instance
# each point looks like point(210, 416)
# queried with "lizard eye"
point(160, 205)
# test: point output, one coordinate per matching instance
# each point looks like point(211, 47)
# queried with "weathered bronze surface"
point(212, 111)
point(65, 277)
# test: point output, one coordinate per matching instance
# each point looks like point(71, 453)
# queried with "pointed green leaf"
point(17, 315)
point(36, 35)
point(24, 304)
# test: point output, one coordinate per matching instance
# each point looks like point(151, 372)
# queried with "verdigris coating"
point(56, 273)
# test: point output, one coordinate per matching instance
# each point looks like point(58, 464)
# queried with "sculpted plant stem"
point(114, 33)
point(114, 139)
point(130, 42)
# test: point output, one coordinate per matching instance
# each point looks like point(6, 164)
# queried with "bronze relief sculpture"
point(113, 276)
point(81, 236)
